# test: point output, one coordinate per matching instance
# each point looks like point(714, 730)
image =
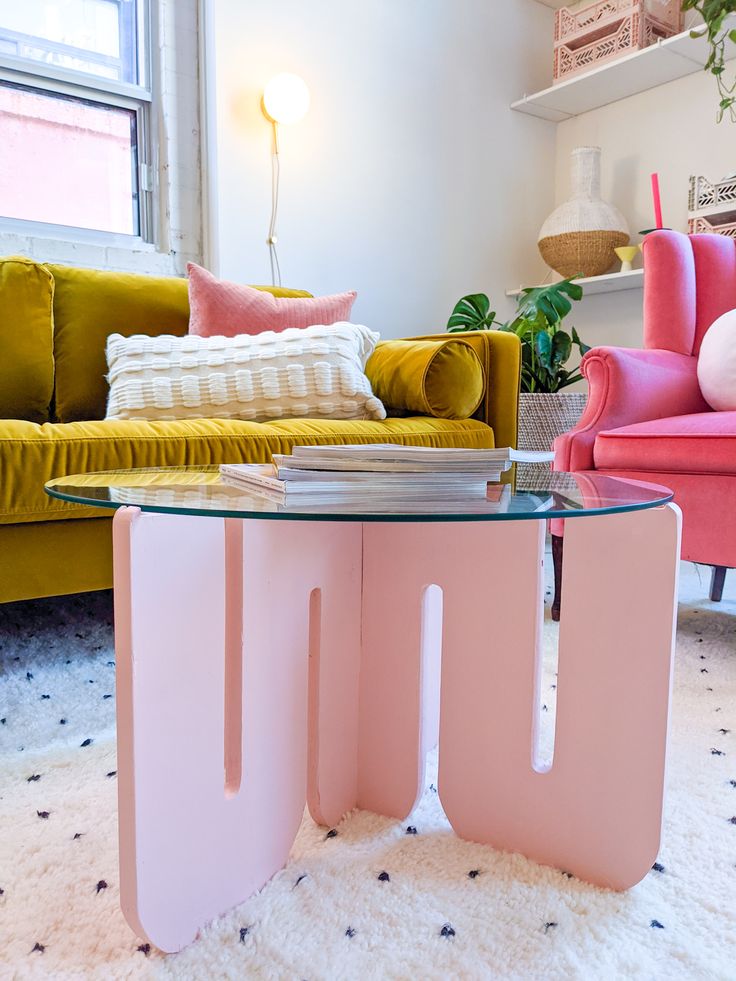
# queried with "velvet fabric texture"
point(31, 454)
point(646, 416)
point(52, 548)
point(89, 305)
point(443, 380)
point(219, 307)
point(26, 340)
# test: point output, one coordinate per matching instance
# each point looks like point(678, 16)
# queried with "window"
point(75, 114)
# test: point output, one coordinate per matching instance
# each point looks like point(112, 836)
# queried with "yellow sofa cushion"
point(26, 340)
point(89, 304)
point(31, 454)
point(442, 379)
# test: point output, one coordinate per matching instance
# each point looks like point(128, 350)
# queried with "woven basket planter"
point(542, 418)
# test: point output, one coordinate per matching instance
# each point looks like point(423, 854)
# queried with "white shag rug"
point(376, 900)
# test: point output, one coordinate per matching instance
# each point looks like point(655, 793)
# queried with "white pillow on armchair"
point(717, 363)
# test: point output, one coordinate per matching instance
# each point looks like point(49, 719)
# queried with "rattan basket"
point(542, 418)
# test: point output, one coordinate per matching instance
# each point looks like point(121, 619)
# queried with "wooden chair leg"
point(557, 541)
point(717, 580)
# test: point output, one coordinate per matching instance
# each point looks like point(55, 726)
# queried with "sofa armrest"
point(499, 356)
point(628, 385)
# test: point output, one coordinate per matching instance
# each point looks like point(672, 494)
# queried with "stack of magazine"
point(381, 476)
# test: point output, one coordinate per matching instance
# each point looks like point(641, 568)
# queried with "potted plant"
point(545, 409)
point(718, 33)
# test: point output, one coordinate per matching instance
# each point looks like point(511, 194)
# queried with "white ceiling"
point(557, 3)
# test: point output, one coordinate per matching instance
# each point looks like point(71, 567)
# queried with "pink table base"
point(263, 663)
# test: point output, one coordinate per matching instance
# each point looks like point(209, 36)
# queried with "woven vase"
point(543, 416)
point(579, 237)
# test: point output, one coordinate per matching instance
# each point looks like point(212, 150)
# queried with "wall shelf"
point(662, 62)
point(610, 283)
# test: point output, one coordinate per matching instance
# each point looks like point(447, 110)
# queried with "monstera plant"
point(546, 347)
point(721, 36)
point(545, 411)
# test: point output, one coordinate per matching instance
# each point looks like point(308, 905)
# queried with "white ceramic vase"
point(579, 237)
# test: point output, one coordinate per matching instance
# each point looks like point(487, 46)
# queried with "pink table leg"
point(213, 781)
point(598, 811)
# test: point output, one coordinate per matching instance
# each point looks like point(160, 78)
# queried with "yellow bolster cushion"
point(444, 379)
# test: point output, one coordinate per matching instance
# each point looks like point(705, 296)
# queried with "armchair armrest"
point(407, 375)
point(628, 385)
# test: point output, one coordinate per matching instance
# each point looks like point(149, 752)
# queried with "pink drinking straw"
point(657, 201)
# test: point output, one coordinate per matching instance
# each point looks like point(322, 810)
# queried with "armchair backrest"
point(689, 281)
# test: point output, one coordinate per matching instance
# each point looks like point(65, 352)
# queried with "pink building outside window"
point(67, 161)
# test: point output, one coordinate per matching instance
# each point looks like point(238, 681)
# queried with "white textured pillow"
point(313, 372)
point(717, 363)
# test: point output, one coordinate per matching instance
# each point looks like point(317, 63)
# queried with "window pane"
point(97, 37)
point(67, 161)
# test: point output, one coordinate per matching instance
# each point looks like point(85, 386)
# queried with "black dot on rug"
point(144, 949)
point(244, 931)
point(43, 814)
point(111, 773)
point(448, 930)
point(62, 722)
point(38, 947)
point(657, 925)
point(549, 926)
point(33, 778)
point(87, 742)
point(385, 877)
point(411, 830)
point(350, 932)
point(474, 873)
point(657, 867)
point(332, 833)
point(77, 835)
point(101, 885)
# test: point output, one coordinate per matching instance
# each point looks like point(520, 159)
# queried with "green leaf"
point(472, 312)
point(583, 348)
point(543, 345)
point(561, 347)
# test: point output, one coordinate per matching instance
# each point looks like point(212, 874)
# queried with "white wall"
point(410, 179)
point(670, 129)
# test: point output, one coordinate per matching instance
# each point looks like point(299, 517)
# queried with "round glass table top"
point(204, 491)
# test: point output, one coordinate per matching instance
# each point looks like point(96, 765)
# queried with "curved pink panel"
point(669, 292)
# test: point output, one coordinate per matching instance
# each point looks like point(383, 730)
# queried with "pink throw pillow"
point(218, 307)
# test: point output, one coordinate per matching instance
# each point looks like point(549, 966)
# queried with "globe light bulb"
point(285, 98)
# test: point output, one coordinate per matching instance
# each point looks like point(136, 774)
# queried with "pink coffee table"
point(267, 657)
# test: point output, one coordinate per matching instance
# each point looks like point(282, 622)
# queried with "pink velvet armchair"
point(646, 418)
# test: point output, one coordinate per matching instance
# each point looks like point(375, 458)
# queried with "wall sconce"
point(285, 100)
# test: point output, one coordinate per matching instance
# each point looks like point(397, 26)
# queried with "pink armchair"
point(645, 416)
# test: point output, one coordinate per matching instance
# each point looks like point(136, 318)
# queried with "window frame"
point(106, 92)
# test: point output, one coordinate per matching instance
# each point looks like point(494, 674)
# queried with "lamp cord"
point(275, 180)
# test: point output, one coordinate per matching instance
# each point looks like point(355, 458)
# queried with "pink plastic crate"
point(702, 225)
point(609, 29)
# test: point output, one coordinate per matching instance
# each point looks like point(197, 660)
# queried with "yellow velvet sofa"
point(440, 390)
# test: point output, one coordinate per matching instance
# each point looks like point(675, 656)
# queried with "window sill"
point(122, 256)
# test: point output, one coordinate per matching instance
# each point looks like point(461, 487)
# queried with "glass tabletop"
point(204, 491)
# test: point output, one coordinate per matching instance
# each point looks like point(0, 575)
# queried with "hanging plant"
point(720, 38)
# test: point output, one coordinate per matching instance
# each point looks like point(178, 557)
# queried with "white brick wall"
point(176, 139)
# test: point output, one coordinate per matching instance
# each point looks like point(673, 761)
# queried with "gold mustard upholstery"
point(89, 304)
point(444, 379)
point(499, 353)
point(26, 340)
point(31, 454)
point(55, 317)
point(51, 558)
